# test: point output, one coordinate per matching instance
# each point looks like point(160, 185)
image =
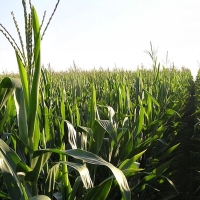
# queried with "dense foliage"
point(124, 120)
point(96, 134)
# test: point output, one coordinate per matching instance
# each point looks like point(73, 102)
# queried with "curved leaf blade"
point(100, 192)
point(96, 160)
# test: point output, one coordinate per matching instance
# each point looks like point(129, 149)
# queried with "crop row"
point(128, 119)
point(88, 135)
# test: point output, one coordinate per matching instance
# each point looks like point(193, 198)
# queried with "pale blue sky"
point(106, 33)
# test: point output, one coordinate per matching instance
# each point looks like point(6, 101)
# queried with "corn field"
point(97, 134)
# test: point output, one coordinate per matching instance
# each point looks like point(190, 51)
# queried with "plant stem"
point(66, 187)
point(34, 188)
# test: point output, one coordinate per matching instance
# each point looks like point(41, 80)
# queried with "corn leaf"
point(97, 138)
point(75, 188)
point(24, 81)
point(100, 192)
point(37, 164)
point(39, 197)
point(9, 164)
point(6, 89)
point(51, 180)
point(95, 160)
point(83, 171)
point(34, 96)
point(109, 128)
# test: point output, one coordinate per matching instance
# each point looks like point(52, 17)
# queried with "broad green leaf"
point(71, 134)
point(140, 120)
point(86, 130)
point(37, 164)
point(160, 169)
point(100, 192)
point(21, 113)
point(51, 180)
point(97, 139)
point(130, 163)
point(78, 117)
point(12, 158)
point(109, 128)
point(128, 146)
point(75, 188)
point(136, 157)
point(83, 171)
point(13, 184)
point(13, 84)
point(34, 96)
point(142, 184)
point(96, 160)
point(9, 114)
point(46, 124)
point(24, 80)
point(168, 152)
point(6, 89)
point(152, 98)
point(132, 171)
point(171, 112)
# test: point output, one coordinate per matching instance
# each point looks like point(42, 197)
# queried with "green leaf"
point(140, 119)
point(75, 188)
point(6, 89)
point(71, 134)
point(37, 164)
point(96, 160)
point(13, 84)
point(100, 192)
point(160, 169)
point(152, 98)
point(128, 146)
point(12, 158)
point(97, 139)
point(130, 163)
point(171, 112)
point(51, 180)
point(4, 195)
point(39, 197)
point(136, 157)
point(47, 124)
point(93, 106)
point(24, 80)
point(83, 171)
point(8, 162)
point(109, 128)
point(10, 179)
point(168, 152)
point(21, 111)
point(34, 96)
point(142, 184)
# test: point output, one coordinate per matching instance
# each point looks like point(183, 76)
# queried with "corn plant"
point(151, 131)
point(69, 128)
point(29, 161)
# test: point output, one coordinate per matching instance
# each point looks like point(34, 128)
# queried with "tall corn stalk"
point(26, 91)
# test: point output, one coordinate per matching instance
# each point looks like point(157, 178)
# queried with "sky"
point(109, 33)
